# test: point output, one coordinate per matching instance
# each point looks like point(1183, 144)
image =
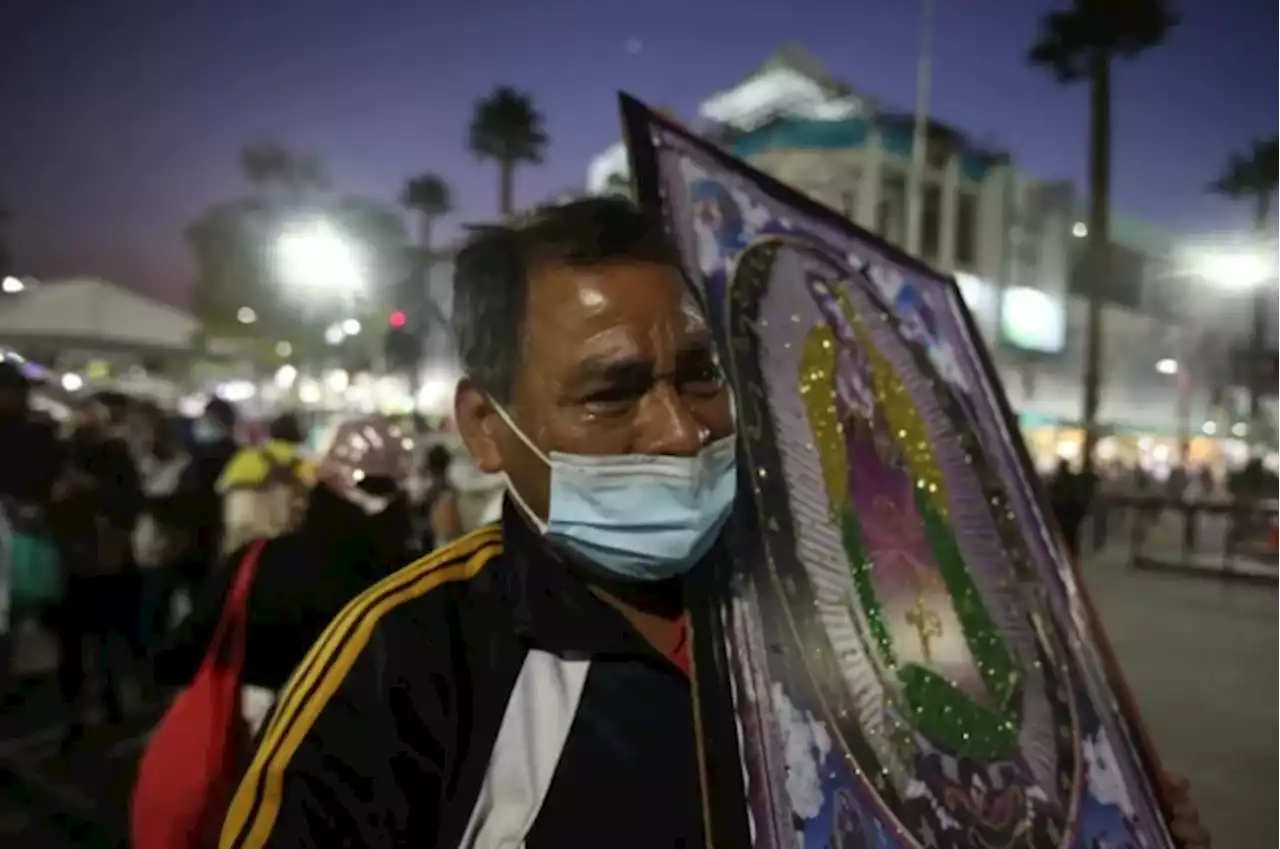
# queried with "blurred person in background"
point(29, 450)
point(437, 510)
point(213, 434)
point(1070, 497)
point(30, 459)
point(264, 487)
point(95, 506)
point(355, 531)
point(166, 529)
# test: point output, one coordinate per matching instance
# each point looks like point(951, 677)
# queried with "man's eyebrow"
point(613, 368)
point(696, 351)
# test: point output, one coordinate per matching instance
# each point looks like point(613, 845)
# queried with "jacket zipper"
point(704, 785)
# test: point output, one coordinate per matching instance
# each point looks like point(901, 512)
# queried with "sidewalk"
point(1201, 656)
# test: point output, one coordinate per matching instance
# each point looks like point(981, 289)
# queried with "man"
point(215, 445)
point(437, 708)
point(529, 685)
point(96, 503)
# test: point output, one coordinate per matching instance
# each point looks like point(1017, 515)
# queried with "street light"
point(1079, 229)
point(12, 285)
point(351, 327)
point(1167, 366)
point(314, 254)
point(1228, 268)
point(1240, 266)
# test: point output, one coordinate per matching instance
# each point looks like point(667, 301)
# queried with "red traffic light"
point(397, 319)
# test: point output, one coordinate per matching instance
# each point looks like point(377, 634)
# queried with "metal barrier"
point(1218, 538)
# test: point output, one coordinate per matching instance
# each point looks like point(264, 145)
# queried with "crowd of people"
point(115, 525)
point(526, 684)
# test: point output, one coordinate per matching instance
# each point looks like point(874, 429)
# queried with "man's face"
point(615, 361)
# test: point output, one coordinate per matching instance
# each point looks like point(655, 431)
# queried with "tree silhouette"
point(507, 129)
point(429, 196)
point(234, 246)
point(1079, 44)
point(1251, 176)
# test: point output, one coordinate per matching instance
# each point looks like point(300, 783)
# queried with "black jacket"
point(440, 701)
point(303, 580)
point(31, 458)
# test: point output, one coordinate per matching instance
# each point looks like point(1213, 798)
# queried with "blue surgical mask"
point(641, 517)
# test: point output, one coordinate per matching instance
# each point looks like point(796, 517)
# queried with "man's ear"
point(478, 424)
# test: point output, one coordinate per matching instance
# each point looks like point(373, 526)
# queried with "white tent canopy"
point(92, 312)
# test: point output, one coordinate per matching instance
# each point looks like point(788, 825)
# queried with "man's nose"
point(667, 426)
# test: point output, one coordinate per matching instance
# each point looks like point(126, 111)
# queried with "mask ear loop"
point(537, 452)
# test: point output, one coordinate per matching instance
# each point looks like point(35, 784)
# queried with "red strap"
point(232, 623)
point(679, 654)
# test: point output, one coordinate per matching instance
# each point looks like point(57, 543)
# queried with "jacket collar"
point(551, 601)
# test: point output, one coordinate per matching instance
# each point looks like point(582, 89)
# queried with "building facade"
point(1013, 243)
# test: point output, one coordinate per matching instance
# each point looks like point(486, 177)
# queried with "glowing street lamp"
point(313, 255)
point(1240, 266)
point(1228, 268)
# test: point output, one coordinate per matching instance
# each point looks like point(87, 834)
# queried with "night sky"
point(120, 120)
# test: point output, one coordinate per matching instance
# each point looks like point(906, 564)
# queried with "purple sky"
point(120, 120)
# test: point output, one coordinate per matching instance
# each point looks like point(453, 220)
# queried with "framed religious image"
point(910, 659)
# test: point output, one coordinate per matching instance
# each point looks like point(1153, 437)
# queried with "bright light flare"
point(315, 255)
point(1167, 366)
point(12, 285)
point(285, 377)
point(1228, 268)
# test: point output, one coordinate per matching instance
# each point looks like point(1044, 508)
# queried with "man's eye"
point(703, 379)
point(606, 409)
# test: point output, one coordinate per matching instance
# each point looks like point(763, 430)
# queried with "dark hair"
point(438, 460)
point(117, 404)
point(12, 378)
point(286, 427)
point(222, 412)
point(492, 271)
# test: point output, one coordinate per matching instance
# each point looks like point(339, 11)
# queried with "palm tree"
point(1252, 176)
point(430, 197)
point(507, 129)
point(1079, 44)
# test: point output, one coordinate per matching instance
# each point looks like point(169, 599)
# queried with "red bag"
point(190, 768)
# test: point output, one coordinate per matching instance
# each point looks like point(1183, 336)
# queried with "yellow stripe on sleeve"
point(257, 801)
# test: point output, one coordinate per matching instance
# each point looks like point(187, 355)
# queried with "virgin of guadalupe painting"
point(908, 661)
